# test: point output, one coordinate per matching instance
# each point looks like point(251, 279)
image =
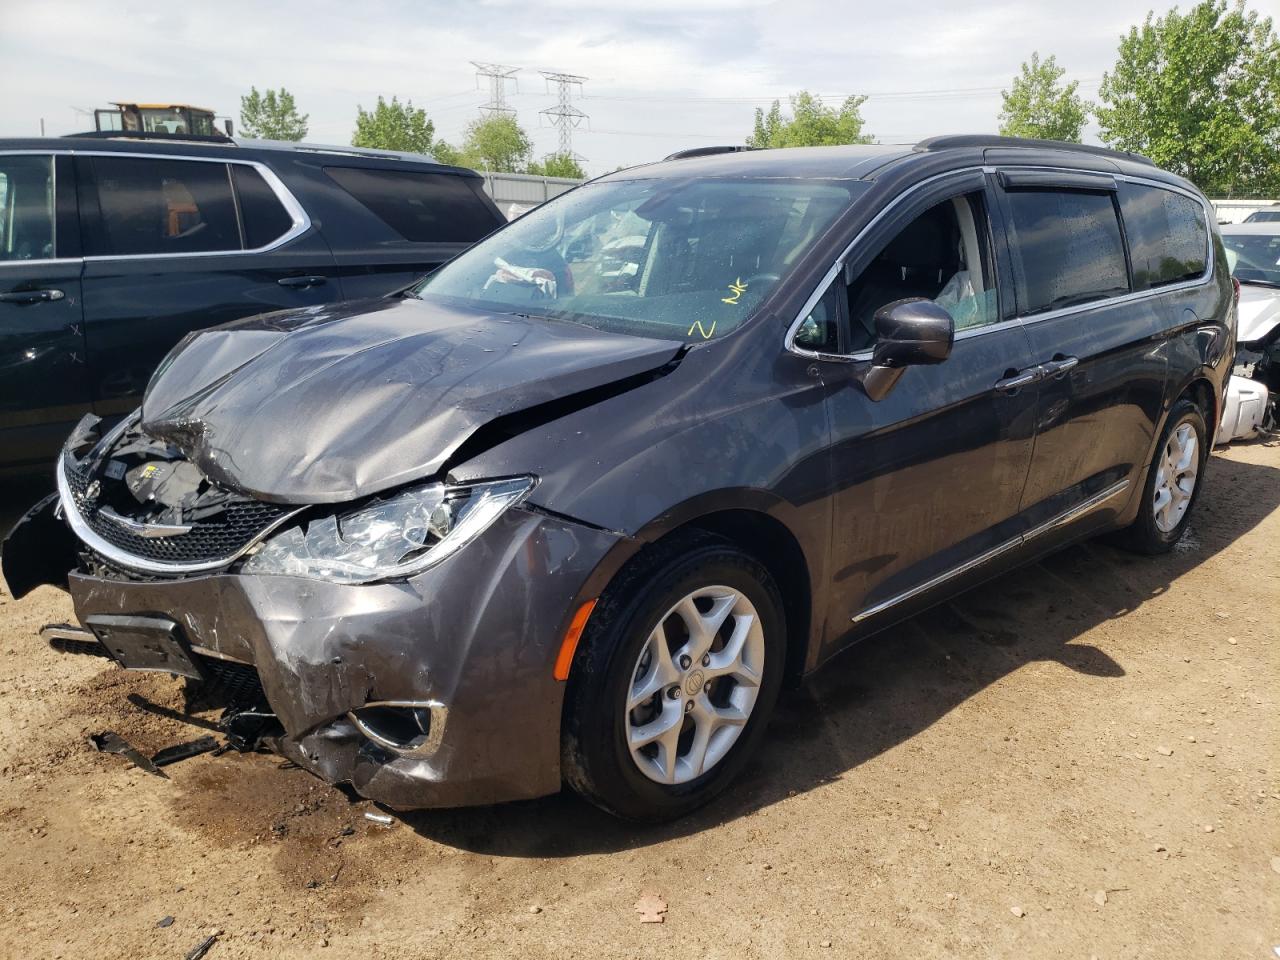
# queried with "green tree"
point(444, 153)
point(271, 116)
point(811, 124)
point(1038, 104)
point(497, 144)
point(394, 126)
point(1199, 93)
point(558, 165)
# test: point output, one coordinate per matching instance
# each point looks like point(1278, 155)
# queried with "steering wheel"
point(762, 276)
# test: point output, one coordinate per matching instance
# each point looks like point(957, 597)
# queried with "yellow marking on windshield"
point(706, 334)
point(738, 288)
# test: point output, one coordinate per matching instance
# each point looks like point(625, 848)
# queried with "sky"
point(662, 75)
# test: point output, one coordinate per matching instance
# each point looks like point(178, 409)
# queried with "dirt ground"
point(1081, 759)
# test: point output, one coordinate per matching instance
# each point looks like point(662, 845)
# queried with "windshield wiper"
point(1275, 284)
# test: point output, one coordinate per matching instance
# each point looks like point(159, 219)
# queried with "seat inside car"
point(916, 263)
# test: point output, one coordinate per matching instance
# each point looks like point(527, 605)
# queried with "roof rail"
point(973, 140)
point(307, 147)
point(706, 152)
point(150, 135)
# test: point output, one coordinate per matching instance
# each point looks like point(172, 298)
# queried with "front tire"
point(675, 679)
point(1173, 483)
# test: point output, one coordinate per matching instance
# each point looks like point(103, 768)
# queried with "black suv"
point(575, 506)
point(111, 250)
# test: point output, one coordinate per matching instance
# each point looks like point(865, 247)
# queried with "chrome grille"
point(210, 541)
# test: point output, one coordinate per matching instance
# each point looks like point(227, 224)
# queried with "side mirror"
point(909, 332)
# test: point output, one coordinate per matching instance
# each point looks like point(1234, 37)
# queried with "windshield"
point(1254, 257)
point(688, 259)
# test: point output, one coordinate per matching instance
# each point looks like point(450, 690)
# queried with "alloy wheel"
point(694, 685)
point(1176, 476)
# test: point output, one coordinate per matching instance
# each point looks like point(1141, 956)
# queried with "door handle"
point(301, 282)
point(1058, 366)
point(30, 296)
point(1023, 378)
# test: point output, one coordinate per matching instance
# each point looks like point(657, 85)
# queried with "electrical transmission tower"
point(498, 75)
point(564, 115)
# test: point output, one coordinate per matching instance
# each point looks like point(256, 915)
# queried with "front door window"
point(942, 255)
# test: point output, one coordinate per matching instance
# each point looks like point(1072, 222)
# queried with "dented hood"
point(333, 403)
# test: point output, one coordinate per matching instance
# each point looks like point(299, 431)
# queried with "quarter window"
point(421, 207)
point(1067, 248)
point(26, 208)
point(264, 216)
point(153, 206)
point(1168, 238)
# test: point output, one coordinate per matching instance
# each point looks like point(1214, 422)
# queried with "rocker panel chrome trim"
point(1062, 519)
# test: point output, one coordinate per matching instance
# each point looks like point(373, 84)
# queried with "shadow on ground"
point(887, 689)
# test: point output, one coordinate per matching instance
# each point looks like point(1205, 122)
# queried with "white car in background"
point(1253, 250)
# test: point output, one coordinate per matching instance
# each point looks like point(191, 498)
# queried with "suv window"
point(942, 255)
point(1168, 238)
point(422, 207)
point(26, 208)
point(1067, 248)
point(264, 216)
point(151, 206)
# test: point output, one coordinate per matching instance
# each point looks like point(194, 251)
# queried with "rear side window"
point(422, 207)
point(26, 208)
point(153, 206)
point(1168, 238)
point(265, 218)
point(1067, 248)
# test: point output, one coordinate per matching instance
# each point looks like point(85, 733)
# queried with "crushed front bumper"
point(475, 636)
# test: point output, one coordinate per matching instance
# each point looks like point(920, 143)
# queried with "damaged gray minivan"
point(575, 507)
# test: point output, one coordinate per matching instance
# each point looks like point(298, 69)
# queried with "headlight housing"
point(388, 539)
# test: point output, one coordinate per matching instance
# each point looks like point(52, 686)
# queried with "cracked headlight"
point(391, 538)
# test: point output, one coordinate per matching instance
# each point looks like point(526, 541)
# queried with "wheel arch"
point(757, 522)
point(773, 544)
point(1200, 390)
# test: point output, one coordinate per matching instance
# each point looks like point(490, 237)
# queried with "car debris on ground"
point(112, 742)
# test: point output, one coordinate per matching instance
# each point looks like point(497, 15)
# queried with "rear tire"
point(1173, 483)
point(702, 599)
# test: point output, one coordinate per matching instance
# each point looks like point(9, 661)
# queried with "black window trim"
point(1037, 181)
point(301, 220)
point(1132, 296)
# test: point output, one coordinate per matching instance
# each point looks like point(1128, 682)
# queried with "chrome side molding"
point(1061, 520)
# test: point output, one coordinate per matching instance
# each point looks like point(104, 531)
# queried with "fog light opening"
point(403, 727)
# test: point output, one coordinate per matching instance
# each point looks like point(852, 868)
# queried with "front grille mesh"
point(232, 682)
point(214, 539)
